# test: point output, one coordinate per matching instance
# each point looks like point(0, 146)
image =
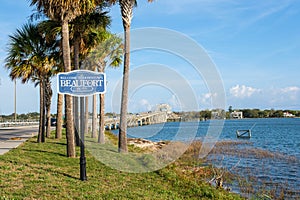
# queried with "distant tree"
point(277, 114)
point(206, 114)
point(263, 114)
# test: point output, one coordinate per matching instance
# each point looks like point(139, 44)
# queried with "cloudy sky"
point(254, 46)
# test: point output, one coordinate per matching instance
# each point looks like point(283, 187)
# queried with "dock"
point(243, 133)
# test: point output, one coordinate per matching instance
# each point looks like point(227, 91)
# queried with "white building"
point(287, 114)
point(236, 115)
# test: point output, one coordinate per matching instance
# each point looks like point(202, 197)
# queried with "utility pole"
point(0, 108)
point(15, 115)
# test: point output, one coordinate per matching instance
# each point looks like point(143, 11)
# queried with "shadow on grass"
point(49, 170)
point(43, 151)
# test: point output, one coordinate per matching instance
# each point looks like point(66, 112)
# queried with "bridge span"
point(138, 119)
point(161, 114)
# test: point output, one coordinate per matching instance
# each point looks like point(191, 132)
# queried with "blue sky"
point(255, 46)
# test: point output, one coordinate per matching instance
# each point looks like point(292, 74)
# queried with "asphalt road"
point(11, 137)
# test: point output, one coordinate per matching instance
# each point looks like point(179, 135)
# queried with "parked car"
point(53, 122)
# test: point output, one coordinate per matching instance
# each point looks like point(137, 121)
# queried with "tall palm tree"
point(108, 53)
point(64, 12)
point(31, 57)
point(126, 7)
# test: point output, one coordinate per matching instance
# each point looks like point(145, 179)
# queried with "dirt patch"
point(15, 138)
point(146, 144)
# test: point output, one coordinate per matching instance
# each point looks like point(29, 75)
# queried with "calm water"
point(277, 139)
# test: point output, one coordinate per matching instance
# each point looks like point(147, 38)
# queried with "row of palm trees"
point(75, 30)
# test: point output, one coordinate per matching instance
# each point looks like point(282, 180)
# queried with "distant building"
point(236, 115)
point(218, 114)
point(287, 114)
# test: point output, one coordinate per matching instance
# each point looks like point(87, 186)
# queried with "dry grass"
point(246, 178)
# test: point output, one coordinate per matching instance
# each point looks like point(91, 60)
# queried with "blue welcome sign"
point(81, 83)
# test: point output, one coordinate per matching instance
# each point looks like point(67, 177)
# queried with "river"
point(270, 159)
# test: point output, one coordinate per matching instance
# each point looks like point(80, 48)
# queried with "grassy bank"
point(42, 171)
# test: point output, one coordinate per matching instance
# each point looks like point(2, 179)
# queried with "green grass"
point(42, 171)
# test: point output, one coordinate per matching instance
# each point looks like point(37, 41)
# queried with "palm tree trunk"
point(101, 136)
point(59, 116)
point(75, 99)
point(68, 99)
point(48, 119)
point(126, 11)
point(94, 119)
point(48, 98)
point(41, 135)
point(124, 98)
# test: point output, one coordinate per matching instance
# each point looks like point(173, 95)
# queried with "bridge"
point(159, 115)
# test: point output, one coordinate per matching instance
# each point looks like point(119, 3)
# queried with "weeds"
point(247, 169)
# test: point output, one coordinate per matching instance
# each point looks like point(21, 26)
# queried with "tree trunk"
point(59, 116)
point(76, 99)
point(101, 136)
point(68, 99)
point(48, 98)
point(94, 119)
point(124, 99)
point(76, 120)
point(86, 115)
point(48, 119)
point(41, 134)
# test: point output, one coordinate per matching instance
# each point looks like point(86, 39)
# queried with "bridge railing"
point(18, 123)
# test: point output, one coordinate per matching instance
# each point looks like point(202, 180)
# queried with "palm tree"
point(52, 29)
point(108, 53)
point(64, 12)
point(86, 32)
point(31, 57)
point(126, 7)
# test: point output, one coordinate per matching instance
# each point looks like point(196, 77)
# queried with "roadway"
point(12, 137)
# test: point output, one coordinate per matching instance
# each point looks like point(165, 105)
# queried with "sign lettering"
point(81, 83)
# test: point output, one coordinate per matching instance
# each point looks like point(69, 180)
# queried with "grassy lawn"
point(42, 171)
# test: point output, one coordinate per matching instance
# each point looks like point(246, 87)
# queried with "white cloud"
point(139, 105)
point(292, 89)
point(242, 91)
point(290, 94)
point(206, 100)
point(174, 103)
point(144, 103)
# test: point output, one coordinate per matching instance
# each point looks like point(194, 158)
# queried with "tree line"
point(60, 37)
point(247, 113)
point(268, 113)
